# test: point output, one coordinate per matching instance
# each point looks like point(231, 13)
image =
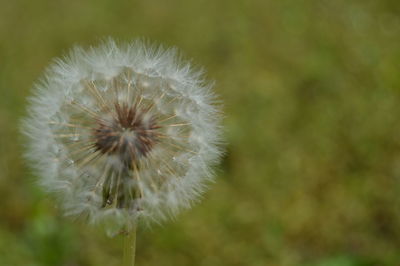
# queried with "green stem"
point(130, 248)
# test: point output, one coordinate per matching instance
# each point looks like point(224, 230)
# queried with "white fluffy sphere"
point(123, 132)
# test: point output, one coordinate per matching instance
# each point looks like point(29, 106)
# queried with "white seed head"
point(123, 132)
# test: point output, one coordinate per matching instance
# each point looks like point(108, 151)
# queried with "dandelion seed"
point(123, 133)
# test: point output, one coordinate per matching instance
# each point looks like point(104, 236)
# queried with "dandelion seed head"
point(123, 132)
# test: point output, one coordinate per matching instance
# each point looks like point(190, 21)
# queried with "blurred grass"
point(311, 92)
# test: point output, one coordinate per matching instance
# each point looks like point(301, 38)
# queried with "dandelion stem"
point(130, 247)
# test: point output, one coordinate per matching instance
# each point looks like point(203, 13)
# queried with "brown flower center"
point(130, 134)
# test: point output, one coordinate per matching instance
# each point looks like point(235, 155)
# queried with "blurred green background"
point(311, 90)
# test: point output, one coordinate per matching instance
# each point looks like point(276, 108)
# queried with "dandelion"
point(123, 133)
